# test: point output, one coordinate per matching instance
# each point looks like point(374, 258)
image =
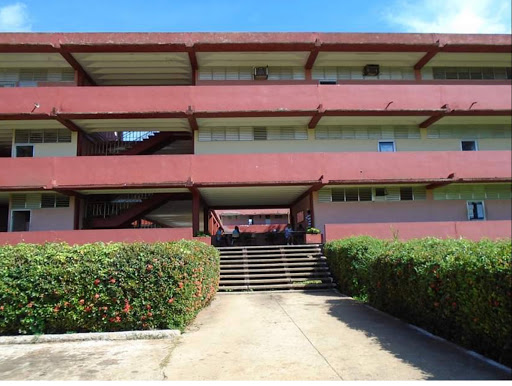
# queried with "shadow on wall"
point(438, 361)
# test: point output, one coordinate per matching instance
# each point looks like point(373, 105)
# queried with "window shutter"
point(33, 201)
point(218, 134)
point(324, 195)
point(471, 214)
point(338, 194)
point(301, 133)
point(61, 201)
point(321, 132)
point(232, 73)
point(48, 201)
point(260, 133)
point(218, 73)
point(64, 135)
point(232, 134)
point(287, 133)
point(18, 201)
point(36, 136)
point(351, 194)
point(393, 194)
point(273, 133)
point(246, 134)
point(50, 136)
point(419, 193)
point(245, 73)
point(344, 73)
point(205, 73)
point(22, 136)
point(365, 194)
point(205, 135)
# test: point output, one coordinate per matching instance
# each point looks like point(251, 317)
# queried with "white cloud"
point(14, 18)
point(451, 16)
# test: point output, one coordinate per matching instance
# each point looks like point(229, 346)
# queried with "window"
point(476, 210)
point(406, 194)
point(42, 136)
point(20, 220)
point(386, 146)
point(468, 146)
point(380, 192)
point(24, 151)
point(54, 201)
point(487, 73)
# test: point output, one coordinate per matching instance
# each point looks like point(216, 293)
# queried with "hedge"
point(57, 288)
point(458, 289)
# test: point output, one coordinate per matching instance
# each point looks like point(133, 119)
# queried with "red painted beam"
point(430, 121)
point(289, 41)
point(425, 59)
point(255, 100)
point(166, 171)
point(77, 67)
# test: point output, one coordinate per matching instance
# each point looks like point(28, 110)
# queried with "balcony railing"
point(112, 143)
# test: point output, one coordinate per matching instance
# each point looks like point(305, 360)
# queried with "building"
point(134, 136)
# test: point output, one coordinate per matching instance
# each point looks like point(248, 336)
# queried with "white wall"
point(63, 149)
point(339, 145)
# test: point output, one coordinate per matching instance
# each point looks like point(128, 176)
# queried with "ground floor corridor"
point(315, 335)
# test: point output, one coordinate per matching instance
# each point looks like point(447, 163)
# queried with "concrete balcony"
point(203, 171)
point(420, 99)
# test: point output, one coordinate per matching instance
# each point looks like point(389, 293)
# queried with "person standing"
point(309, 220)
point(288, 234)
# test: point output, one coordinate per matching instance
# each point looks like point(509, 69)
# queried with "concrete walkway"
point(260, 336)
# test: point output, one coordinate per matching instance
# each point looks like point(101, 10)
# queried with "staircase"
point(273, 267)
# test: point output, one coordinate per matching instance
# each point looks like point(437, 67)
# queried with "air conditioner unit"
point(261, 73)
point(371, 70)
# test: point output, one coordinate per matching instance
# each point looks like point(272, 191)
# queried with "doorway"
point(20, 221)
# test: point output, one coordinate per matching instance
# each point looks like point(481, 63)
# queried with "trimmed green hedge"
point(458, 289)
point(57, 288)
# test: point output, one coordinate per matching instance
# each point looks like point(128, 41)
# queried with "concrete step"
point(312, 263)
point(280, 270)
point(269, 251)
point(272, 260)
point(274, 274)
point(271, 255)
point(270, 247)
point(267, 287)
point(280, 280)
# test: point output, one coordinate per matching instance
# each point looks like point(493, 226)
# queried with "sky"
point(424, 16)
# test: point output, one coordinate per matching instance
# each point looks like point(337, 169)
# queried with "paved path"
point(260, 336)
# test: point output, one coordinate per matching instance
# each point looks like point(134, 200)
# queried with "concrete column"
point(196, 203)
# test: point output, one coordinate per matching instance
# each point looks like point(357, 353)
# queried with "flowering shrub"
point(457, 289)
point(57, 288)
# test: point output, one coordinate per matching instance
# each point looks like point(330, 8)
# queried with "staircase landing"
point(273, 267)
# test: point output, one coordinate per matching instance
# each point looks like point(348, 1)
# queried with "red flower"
point(29, 305)
point(150, 314)
point(56, 309)
point(112, 280)
point(1, 308)
point(436, 304)
point(97, 282)
point(97, 296)
point(149, 267)
point(148, 306)
point(170, 300)
point(87, 309)
point(82, 301)
point(180, 284)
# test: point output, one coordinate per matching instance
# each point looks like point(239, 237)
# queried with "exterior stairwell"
point(274, 267)
point(152, 143)
point(131, 213)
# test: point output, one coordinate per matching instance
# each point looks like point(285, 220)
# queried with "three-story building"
point(102, 135)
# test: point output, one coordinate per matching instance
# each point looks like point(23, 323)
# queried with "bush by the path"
point(57, 288)
point(457, 289)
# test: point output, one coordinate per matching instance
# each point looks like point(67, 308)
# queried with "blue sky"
point(441, 16)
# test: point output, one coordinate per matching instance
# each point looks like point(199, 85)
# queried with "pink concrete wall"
point(474, 230)
point(55, 219)
point(175, 101)
point(104, 235)
point(403, 211)
point(302, 205)
point(294, 168)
